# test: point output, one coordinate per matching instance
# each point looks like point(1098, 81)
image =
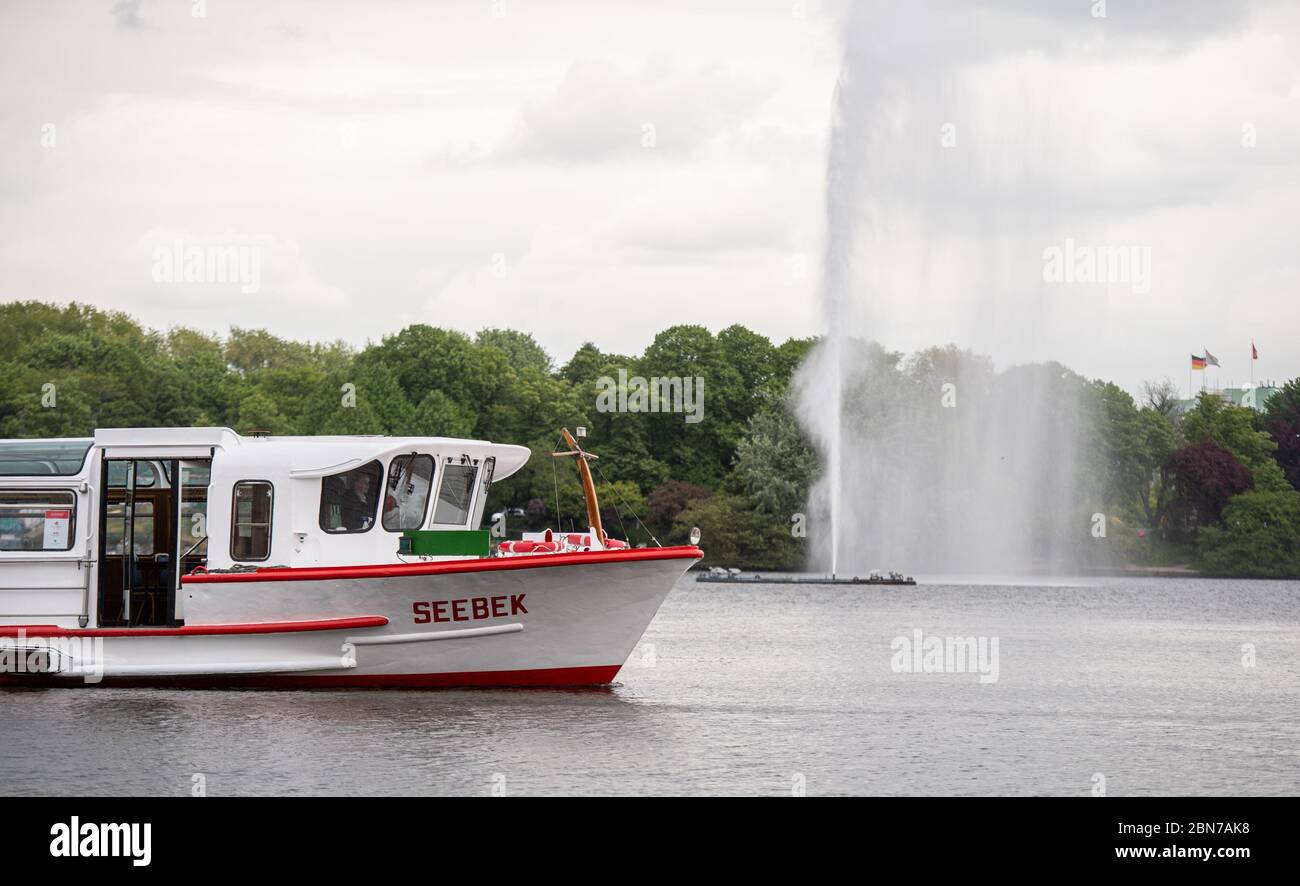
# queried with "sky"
point(599, 171)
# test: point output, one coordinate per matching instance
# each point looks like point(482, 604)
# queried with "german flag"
point(1198, 362)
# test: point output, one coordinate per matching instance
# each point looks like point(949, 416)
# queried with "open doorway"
point(153, 529)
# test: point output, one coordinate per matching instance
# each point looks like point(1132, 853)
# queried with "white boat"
point(198, 557)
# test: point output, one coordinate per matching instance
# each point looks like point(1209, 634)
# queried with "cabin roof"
point(301, 456)
point(308, 457)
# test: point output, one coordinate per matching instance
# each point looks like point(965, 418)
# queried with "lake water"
point(759, 690)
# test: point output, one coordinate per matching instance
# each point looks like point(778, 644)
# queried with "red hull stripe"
point(270, 627)
point(487, 564)
point(553, 677)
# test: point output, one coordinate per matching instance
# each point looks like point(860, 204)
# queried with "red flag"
point(1254, 351)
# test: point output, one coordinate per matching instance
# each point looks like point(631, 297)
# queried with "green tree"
point(1159, 441)
point(733, 533)
point(753, 359)
point(775, 462)
point(789, 356)
point(440, 416)
point(1260, 537)
point(1233, 428)
point(367, 400)
point(201, 369)
point(1135, 446)
point(585, 366)
point(22, 410)
point(521, 349)
point(700, 452)
point(258, 412)
point(425, 358)
point(1125, 469)
point(287, 387)
point(251, 350)
point(668, 500)
point(619, 501)
point(1282, 421)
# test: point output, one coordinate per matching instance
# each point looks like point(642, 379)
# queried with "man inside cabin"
point(357, 506)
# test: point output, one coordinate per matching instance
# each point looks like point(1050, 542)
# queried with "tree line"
point(1216, 486)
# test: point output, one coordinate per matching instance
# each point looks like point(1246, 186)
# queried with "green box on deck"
point(444, 542)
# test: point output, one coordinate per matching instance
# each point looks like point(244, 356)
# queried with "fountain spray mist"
point(845, 199)
point(932, 462)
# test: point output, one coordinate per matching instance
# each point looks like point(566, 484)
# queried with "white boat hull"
point(548, 620)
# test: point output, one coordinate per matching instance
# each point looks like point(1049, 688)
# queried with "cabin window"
point(115, 528)
point(60, 458)
point(146, 476)
point(350, 500)
point(455, 494)
point(37, 520)
point(195, 479)
point(410, 477)
point(485, 486)
point(250, 529)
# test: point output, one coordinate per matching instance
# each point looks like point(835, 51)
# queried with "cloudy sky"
point(602, 170)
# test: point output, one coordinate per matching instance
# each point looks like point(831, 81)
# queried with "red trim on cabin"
point(538, 677)
point(443, 567)
point(270, 627)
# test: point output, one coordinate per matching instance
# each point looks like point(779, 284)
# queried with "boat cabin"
point(98, 531)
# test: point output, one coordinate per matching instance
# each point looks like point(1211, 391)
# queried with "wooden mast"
point(588, 487)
